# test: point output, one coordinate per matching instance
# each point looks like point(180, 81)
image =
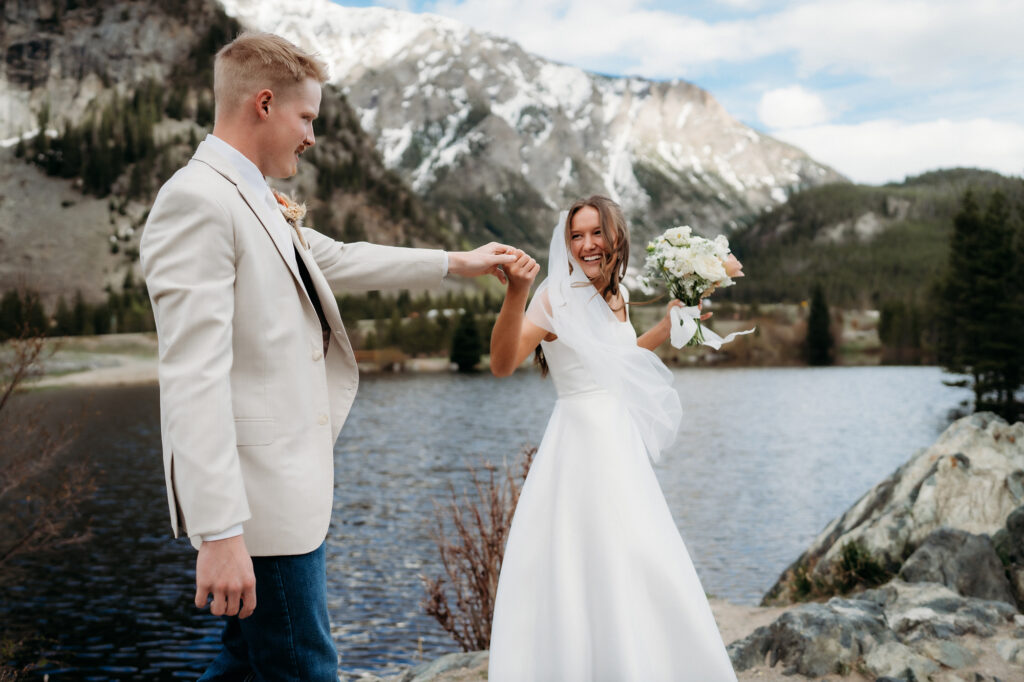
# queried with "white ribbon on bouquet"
point(684, 326)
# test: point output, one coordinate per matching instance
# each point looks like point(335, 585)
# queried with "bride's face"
point(586, 241)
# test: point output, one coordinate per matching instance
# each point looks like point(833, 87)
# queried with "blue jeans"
point(288, 636)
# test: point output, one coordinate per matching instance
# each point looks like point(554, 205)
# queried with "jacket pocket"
point(254, 431)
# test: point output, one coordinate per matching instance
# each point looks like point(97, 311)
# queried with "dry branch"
point(472, 558)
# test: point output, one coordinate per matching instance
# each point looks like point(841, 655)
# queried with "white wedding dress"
point(596, 583)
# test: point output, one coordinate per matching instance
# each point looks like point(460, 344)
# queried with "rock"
point(815, 639)
point(962, 561)
point(1011, 650)
point(895, 660)
point(971, 479)
point(1009, 545)
point(949, 654)
point(915, 611)
point(439, 668)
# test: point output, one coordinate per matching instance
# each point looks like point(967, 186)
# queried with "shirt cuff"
point(445, 273)
point(224, 534)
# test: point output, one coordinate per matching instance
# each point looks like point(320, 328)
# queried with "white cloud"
point(881, 151)
point(792, 107)
point(901, 40)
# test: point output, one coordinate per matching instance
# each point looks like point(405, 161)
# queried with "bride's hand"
point(522, 272)
point(676, 303)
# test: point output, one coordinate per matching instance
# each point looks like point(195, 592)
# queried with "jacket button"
point(322, 420)
point(317, 355)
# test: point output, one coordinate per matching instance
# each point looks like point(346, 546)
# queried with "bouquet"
point(691, 267)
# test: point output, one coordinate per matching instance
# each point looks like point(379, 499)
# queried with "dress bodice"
point(567, 369)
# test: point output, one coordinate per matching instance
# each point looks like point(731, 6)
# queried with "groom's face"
point(289, 128)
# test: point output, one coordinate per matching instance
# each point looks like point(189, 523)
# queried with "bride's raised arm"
point(514, 337)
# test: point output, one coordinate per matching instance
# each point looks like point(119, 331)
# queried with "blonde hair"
point(616, 237)
point(254, 61)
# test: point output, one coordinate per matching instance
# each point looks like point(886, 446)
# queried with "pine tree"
point(36, 323)
point(979, 308)
point(79, 315)
point(819, 342)
point(12, 315)
point(467, 349)
point(62, 320)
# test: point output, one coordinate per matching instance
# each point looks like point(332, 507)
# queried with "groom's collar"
point(231, 163)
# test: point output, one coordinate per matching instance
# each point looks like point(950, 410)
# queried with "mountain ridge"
point(501, 139)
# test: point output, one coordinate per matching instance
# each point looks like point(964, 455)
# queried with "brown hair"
point(254, 61)
point(615, 259)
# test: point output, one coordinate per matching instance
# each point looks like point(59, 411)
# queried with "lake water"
point(765, 459)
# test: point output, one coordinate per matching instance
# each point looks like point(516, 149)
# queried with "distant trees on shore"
point(22, 310)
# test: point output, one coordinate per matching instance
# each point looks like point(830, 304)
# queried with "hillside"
point(864, 244)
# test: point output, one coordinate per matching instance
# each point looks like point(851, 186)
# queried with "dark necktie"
point(307, 282)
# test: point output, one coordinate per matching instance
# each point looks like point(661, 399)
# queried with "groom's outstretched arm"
point(360, 266)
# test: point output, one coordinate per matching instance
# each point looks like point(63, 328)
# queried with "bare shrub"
point(40, 493)
point(472, 558)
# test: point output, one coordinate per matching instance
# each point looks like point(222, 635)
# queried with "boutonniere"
point(293, 213)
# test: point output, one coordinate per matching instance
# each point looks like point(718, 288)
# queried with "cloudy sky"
point(878, 89)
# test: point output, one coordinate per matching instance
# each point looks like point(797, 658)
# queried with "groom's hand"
point(224, 570)
point(481, 261)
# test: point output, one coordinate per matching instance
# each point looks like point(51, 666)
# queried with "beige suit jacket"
point(250, 408)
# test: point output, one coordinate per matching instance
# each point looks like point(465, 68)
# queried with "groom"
point(256, 372)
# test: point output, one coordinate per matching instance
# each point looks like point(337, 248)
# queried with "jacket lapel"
point(258, 205)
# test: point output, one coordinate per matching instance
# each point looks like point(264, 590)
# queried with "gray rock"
point(426, 672)
point(915, 611)
point(949, 654)
point(1011, 650)
point(970, 480)
point(962, 561)
point(893, 659)
point(815, 639)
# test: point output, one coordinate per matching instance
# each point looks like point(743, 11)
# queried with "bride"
point(596, 583)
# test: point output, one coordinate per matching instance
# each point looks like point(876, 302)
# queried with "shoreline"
point(131, 360)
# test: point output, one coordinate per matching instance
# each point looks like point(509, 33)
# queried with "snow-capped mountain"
point(505, 138)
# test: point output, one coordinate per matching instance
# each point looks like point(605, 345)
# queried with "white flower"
point(710, 267)
point(677, 236)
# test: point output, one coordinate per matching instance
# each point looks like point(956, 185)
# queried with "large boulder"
point(917, 611)
point(971, 479)
point(964, 562)
point(899, 631)
point(815, 639)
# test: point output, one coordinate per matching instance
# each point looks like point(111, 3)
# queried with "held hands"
point(224, 570)
point(522, 272)
point(482, 261)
